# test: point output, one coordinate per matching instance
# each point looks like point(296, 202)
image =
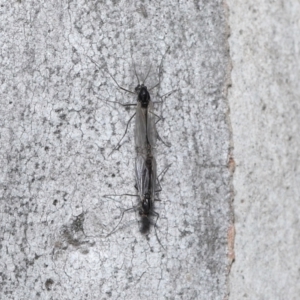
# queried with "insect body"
point(145, 130)
point(145, 119)
point(145, 141)
point(146, 183)
point(147, 186)
point(146, 176)
point(145, 167)
point(145, 116)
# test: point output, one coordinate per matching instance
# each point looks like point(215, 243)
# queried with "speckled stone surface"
point(264, 111)
point(58, 128)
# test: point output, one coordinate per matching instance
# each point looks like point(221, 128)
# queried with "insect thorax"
point(143, 95)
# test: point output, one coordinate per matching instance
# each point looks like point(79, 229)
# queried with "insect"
point(145, 123)
point(145, 135)
point(146, 119)
point(148, 186)
point(146, 177)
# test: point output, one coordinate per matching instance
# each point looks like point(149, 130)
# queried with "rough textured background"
point(265, 109)
point(57, 131)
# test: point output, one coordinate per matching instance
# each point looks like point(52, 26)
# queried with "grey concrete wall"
point(265, 107)
point(58, 128)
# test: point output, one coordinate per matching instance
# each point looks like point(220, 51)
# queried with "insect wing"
point(151, 128)
point(142, 176)
point(140, 127)
point(153, 178)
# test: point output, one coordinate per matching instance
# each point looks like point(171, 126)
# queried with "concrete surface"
point(265, 108)
point(57, 130)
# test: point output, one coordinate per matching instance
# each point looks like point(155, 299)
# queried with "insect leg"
point(124, 211)
point(123, 134)
point(157, 214)
point(164, 171)
point(123, 104)
point(165, 95)
point(107, 196)
point(162, 174)
point(154, 87)
point(158, 136)
point(165, 143)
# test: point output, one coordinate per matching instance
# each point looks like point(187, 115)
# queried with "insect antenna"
point(147, 74)
point(136, 75)
point(122, 88)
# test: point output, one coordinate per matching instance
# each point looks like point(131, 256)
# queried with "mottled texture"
point(265, 109)
point(57, 130)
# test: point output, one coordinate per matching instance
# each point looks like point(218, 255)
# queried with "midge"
point(146, 119)
point(148, 187)
point(146, 183)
